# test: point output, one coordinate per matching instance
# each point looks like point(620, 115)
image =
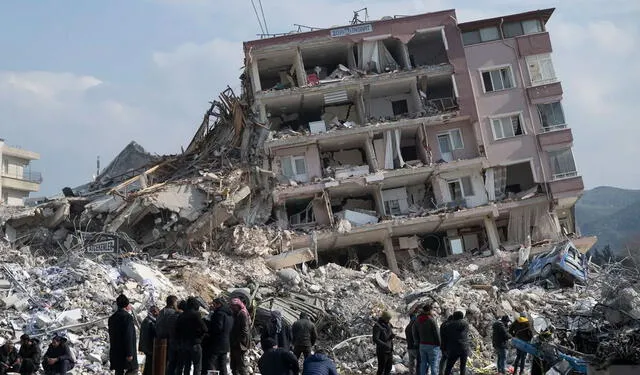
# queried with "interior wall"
point(427, 52)
point(311, 154)
point(381, 107)
point(470, 149)
point(479, 196)
point(519, 174)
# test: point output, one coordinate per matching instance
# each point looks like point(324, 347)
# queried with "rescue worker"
point(521, 328)
point(304, 336)
point(29, 354)
point(147, 337)
point(428, 335)
point(455, 342)
point(58, 359)
point(9, 359)
point(219, 328)
point(277, 361)
point(240, 339)
point(123, 354)
point(500, 338)
point(319, 364)
point(383, 338)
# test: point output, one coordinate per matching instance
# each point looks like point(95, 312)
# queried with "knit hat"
point(386, 316)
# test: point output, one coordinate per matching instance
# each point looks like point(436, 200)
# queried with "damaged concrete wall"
point(442, 194)
point(382, 107)
point(310, 153)
point(470, 149)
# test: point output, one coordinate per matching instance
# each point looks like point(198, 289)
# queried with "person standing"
point(383, 338)
point(9, 359)
point(219, 328)
point(543, 362)
point(277, 361)
point(319, 363)
point(444, 357)
point(122, 339)
point(276, 330)
point(500, 337)
point(426, 332)
point(165, 333)
point(147, 337)
point(58, 359)
point(455, 342)
point(304, 335)
point(412, 346)
point(521, 328)
point(240, 340)
point(190, 329)
point(29, 354)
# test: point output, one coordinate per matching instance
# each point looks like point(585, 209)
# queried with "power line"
point(263, 17)
point(257, 16)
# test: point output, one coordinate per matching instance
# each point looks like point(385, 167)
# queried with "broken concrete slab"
point(218, 215)
point(290, 258)
point(357, 218)
point(5, 284)
point(186, 200)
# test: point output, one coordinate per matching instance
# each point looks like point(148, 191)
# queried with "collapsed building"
point(353, 163)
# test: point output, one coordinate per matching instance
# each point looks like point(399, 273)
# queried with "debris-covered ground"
point(199, 223)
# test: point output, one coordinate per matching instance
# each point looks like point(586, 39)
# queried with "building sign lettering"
point(350, 30)
point(108, 246)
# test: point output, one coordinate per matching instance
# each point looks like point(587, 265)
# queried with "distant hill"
point(612, 214)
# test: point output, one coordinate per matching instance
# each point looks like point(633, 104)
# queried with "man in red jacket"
point(426, 332)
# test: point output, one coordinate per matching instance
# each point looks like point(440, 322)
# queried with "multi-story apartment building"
point(17, 179)
point(420, 132)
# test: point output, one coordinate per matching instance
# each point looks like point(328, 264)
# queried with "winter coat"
point(499, 336)
point(408, 332)
point(278, 362)
point(455, 337)
point(280, 333)
point(383, 336)
point(147, 335)
point(166, 324)
point(190, 328)
point(122, 341)
point(62, 352)
point(304, 333)
point(240, 338)
point(521, 329)
point(219, 328)
point(319, 364)
point(426, 331)
point(8, 357)
point(31, 352)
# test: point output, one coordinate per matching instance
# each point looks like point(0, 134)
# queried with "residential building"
point(419, 133)
point(17, 179)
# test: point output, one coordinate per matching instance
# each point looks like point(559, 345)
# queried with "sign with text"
point(350, 30)
point(108, 246)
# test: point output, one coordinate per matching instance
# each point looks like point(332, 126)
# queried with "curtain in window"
point(500, 184)
point(562, 162)
point(287, 168)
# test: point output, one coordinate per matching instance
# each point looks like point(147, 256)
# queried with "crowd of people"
point(58, 359)
point(187, 343)
point(439, 348)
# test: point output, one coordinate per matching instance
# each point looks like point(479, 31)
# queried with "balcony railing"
point(560, 176)
point(29, 176)
point(551, 128)
point(440, 105)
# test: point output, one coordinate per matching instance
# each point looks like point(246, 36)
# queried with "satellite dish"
point(386, 18)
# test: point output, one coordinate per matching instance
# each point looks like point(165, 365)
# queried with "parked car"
point(563, 264)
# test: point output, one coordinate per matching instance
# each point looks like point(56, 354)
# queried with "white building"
point(17, 179)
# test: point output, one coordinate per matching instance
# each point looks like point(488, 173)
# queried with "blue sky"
point(83, 78)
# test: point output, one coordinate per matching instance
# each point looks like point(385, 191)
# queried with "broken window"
point(448, 142)
point(460, 188)
point(551, 116)
point(507, 127)
point(427, 48)
point(395, 201)
point(486, 34)
point(399, 107)
point(541, 69)
point(513, 29)
point(562, 163)
point(497, 79)
point(295, 167)
point(303, 217)
point(392, 207)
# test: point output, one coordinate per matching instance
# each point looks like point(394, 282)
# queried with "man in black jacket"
point(412, 346)
point(165, 333)
point(240, 339)
point(443, 359)
point(304, 335)
point(219, 327)
point(455, 342)
point(521, 328)
point(147, 337)
point(190, 329)
point(9, 359)
point(383, 338)
point(29, 354)
point(277, 361)
point(122, 339)
point(277, 330)
point(58, 358)
point(500, 337)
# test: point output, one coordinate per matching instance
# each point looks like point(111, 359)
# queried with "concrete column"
point(377, 198)
point(360, 108)
point(281, 215)
point(391, 255)
point(262, 110)
point(366, 103)
point(416, 96)
point(255, 75)
point(405, 56)
point(371, 154)
point(492, 233)
point(301, 75)
point(351, 58)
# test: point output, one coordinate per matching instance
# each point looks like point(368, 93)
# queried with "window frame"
point(449, 132)
point(554, 127)
point(522, 28)
point(478, 32)
point(498, 68)
point(562, 175)
point(300, 177)
point(503, 116)
point(465, 194)
point(537, 59)
point(389, 210)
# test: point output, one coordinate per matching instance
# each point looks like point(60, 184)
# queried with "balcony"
point(20, 184)
point(534, 44)
point(565, 185)
point(554, 135)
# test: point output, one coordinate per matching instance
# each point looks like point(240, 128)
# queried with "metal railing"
point(29, 176)
point(547, 129)
point(561, 176)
